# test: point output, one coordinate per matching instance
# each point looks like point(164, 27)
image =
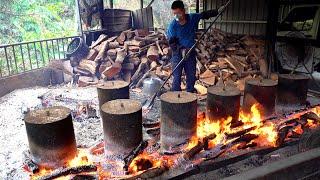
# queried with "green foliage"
point(28, 20)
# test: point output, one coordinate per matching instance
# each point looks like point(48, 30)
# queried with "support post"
point(271, 35)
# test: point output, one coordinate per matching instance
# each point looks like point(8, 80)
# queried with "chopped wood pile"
point(130, 56)
point(134, 55)
point(228, 59)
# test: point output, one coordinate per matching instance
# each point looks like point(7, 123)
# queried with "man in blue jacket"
point(181, 34)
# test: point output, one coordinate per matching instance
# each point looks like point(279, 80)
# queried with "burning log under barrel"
point(262, 92)
point(51, 136)
point(292, 91)
point(122, 126)
point(112, 90)
point(178, 119)
point(223, 102)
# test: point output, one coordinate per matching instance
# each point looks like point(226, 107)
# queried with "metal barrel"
point(292, 91)
point(223, 102)
point(262, 92)
point(112, 90)
point(122, 126)
point(178, 119)
point(51, 136)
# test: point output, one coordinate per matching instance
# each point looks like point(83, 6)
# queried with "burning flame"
point(266, 131)
point(81, 159)
point(143, 162)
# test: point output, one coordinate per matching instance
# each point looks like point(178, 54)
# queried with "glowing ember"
point(81, 159)
point(143, 162)
point(298, 129)
point(266, 131)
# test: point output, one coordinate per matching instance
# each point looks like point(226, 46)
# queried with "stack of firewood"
point(226, 59)
point(131, 57)
point(134, 55)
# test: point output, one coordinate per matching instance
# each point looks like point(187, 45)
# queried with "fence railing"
point(20, 57)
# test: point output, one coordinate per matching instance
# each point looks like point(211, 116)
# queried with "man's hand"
point(174, 43)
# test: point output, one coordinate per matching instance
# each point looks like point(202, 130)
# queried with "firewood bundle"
point(226, 59)
point(131, 57)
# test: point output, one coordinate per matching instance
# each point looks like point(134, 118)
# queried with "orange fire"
point(143, 162)
point(81, 159)
point(267, 132)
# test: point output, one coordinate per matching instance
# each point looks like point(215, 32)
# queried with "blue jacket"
point(185, 33)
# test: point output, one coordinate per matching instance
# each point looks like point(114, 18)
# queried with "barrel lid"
point(113, 85)
point(262, 82)
point(294, 76)
point(47, 115)
point(224, 91)
point(121, 106)
point(178, 97)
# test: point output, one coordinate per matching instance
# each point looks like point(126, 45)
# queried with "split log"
point(112, 52)
point(129, 34)
point(240, 133)
point(135, 43)
point(245, 138)
point(245, 145)
point(153, 66)
point(104, 66)
point(141, 32)
point(81, 72)
point(203, 144)
point(100, 39)
point(147, 40)
point(121, 55)
point(111, 71)
point(68, 171)
point(113, 45)
point(311, 116)
point(133, 154)
point(89, 66)
point(143, 65)
point(112, 39)
point(133, 48)
point(159, 48)
point(93, 53)
point(85, 81)
point(122, 38)
point(153, 54)
point(102, 51)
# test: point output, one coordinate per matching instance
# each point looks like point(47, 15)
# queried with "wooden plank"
point(150, 18)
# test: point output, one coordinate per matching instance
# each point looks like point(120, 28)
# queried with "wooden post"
point(271, 34)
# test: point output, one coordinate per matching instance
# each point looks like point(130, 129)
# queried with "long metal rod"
point(188, 53)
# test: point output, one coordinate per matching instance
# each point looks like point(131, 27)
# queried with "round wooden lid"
point(178, 97)
point(121, 106)
point(293, 76)
point(262, 82)
point(224, 91)
point(47, 115)
point(113, 85)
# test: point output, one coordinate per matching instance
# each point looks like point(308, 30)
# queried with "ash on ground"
point(87, 125)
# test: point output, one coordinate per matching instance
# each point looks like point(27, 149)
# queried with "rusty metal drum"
point(178, 119)
point(51, 136)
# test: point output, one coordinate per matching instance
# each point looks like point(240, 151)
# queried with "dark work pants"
point(189, 66)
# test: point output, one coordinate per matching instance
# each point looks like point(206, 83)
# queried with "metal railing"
point(20, 57)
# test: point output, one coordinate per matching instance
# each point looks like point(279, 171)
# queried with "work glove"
point(209, 14)
point(174, 43)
